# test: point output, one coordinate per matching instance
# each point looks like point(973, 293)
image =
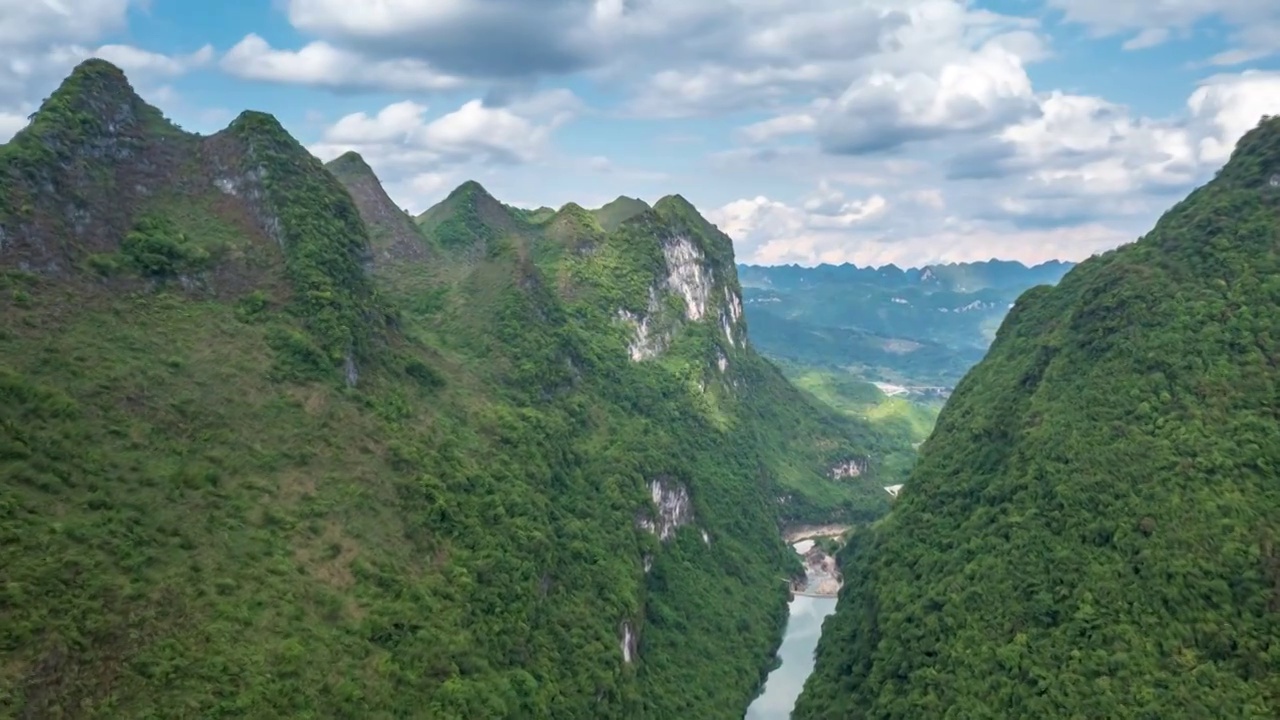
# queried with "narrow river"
point(804, 627)
point(785, 683)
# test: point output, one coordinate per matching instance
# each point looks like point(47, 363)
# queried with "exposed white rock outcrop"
point(627, 640)
point(733, 304)
point(975, 305)
point(852, 467)
point(722, 362)
point(688, 275)
point(674, 508)
point(728, 330)
point(646, 342)
point(249, 185)
point(730, 316)
point(349, 369)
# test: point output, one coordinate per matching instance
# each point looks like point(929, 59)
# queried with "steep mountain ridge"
point(100, 180)
point(692, 257)
point(573, 229)
point(93, 117)
point(1091, 528)
point(392, 231)
point(469, 219)
point(257, 466)
point(648, 319)
point(669, 279)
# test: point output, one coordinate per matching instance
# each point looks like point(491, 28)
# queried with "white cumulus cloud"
point(320, 64)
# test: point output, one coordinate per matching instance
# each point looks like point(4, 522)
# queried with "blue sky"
point(868, 131)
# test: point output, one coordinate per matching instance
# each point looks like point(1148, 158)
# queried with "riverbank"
point(821, 574)
point(812, 600)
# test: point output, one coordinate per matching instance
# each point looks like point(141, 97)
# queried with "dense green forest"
point(1093, 528)
point(270, 447)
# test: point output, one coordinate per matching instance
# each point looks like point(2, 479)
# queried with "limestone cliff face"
point(241, 180)
point(696, 282)
point(674, 509)
point(647, 340)
point(688, 275)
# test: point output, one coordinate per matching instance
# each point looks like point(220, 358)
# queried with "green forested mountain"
point(271, 448)
point(1093, 529)
point(839, 330)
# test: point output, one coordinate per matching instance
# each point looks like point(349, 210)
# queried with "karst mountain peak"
point(481, 462)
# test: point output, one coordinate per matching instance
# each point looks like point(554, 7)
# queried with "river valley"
point(813, 601)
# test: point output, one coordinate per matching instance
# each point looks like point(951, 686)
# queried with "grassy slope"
point(200, 512)
point(913, 420)
point(1091, 530)
point(904, 422)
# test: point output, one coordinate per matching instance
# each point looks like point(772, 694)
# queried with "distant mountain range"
point(956, 277)
point(921, 326)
